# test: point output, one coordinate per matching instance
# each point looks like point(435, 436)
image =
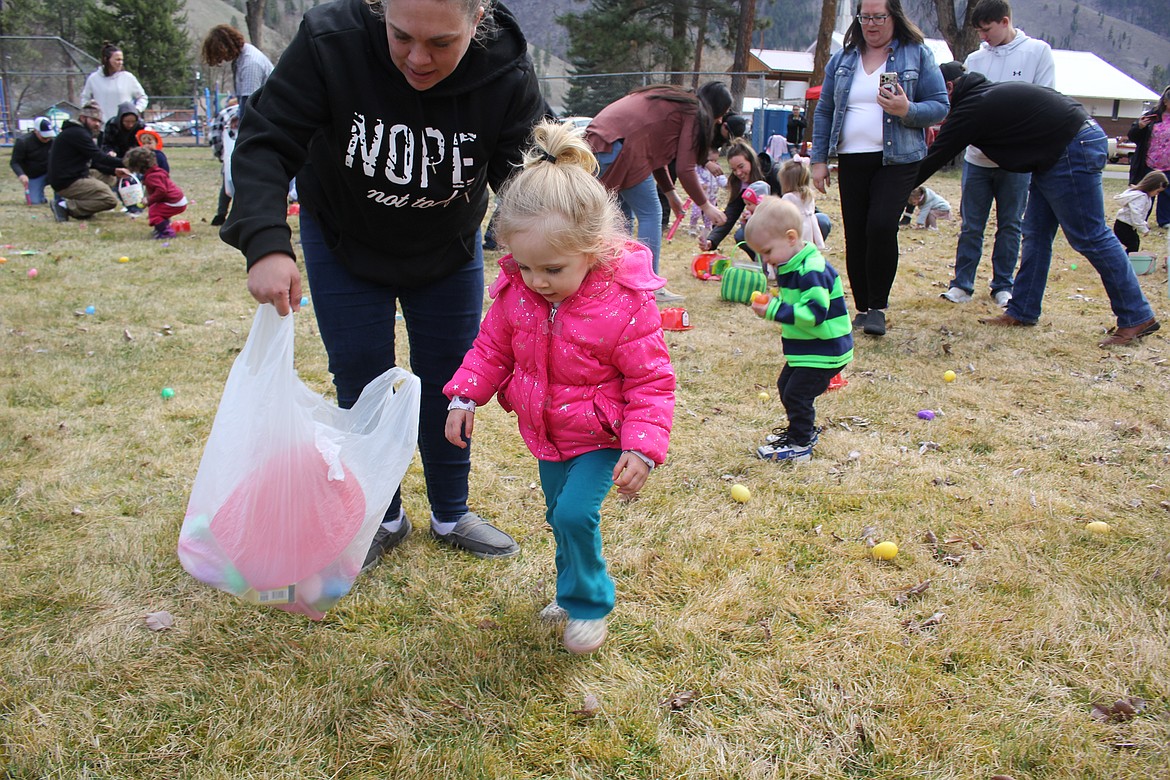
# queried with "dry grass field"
point(754, 641)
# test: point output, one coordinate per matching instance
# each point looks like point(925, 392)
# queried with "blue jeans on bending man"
point(1068, 196)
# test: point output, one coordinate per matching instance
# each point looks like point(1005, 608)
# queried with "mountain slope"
point(1132, 35)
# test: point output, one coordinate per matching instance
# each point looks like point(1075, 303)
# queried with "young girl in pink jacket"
point(164, 199)
point(573, 344)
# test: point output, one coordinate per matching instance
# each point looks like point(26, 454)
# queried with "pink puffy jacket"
point(593, 375)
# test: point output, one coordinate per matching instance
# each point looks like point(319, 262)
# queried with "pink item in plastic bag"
point(275, 536)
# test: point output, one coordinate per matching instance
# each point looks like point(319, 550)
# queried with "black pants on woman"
point(872, 199)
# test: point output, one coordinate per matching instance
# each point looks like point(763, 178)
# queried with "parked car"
point(164, 128)
point(579, 122)
point(1120, 150)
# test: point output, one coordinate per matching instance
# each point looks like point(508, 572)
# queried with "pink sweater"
point(595, 374)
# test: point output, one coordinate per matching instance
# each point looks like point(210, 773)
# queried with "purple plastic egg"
point(926, 414)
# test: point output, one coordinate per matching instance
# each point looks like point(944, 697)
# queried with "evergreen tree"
point(634, 36)
point(153, 40)
point(613, 36)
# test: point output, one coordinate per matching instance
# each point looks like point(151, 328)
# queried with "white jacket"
point(1020, 59)
point(810, 229)
point(1135, 209)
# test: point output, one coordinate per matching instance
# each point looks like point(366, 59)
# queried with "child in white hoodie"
point(1135, 209)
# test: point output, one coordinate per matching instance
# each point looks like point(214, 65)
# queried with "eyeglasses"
point(876, 20)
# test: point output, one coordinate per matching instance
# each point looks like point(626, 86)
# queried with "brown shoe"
point(1006, 320)
point(1120, 336)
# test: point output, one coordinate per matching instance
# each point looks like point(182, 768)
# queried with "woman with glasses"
point(880, 93)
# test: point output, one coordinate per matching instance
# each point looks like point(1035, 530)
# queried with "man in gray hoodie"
point(1007, 54)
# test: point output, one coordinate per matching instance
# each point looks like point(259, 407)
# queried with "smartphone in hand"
point(888, 81)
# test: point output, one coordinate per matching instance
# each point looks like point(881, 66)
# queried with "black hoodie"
point(1022, 127)
point(74, 153)
point(115, 137)
point(397, 177)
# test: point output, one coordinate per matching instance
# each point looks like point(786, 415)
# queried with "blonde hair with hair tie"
point(557, 193)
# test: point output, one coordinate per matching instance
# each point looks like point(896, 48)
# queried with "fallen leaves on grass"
point(918, 626)
point(160, 621)
point(590, 706)
point(1119, 711)
point(904, 597)
point(679, 700)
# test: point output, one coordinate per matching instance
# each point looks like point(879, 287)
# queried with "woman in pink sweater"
point(573, 345)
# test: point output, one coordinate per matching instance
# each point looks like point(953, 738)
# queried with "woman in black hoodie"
point(394, 116)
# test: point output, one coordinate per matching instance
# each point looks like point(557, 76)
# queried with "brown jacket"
point(653, 132)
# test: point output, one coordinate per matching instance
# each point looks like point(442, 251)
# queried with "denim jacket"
point(904, 139)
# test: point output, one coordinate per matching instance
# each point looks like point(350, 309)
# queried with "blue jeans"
point(1009, 190)
point(356, 319)
point(573, 492)
point(36, 189)
point(1068, 195)
point(639, 203)
point(825, 223)
point(1162, 208)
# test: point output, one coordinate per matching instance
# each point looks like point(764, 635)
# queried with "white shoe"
point(956, 295)
point(584, 636)
point(664, 295)
point(553, 613)
point(1002, 298)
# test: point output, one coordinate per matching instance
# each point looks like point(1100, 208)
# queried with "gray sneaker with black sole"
point(479, 537)
point(385, 541)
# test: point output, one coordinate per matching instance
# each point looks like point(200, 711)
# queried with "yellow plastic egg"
point(740, 493)
point(123, 259)
point(948, 376)
point(1098, 527)
point(884, 551)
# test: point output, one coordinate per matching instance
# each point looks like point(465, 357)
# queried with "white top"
point(112, 91)
point(932, 202)
point(810, 229)
point(1020, 59)
point(1135, 208)
point(862, 129)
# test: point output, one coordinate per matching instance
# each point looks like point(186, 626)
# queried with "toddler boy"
point(814, 324)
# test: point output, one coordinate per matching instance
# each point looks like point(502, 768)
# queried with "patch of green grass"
point(782, 641)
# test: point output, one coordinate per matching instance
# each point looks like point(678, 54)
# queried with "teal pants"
point(573, 492)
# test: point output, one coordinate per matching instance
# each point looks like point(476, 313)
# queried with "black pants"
point(1128, 237)
point(799, 387)
point(872, 199)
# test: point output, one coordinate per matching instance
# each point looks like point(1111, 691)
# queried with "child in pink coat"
point(573, 344)
point(164, 199)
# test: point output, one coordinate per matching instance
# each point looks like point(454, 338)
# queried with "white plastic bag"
point(291, 488)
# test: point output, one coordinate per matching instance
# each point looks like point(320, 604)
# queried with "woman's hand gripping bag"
point(291, 488)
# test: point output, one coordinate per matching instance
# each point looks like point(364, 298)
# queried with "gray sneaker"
point(956, 295)
point(479, 537)
point(384, 541)
point(875, 323)
point(57, 206)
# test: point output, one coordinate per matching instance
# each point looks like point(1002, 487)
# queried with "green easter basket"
point(739, 283)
